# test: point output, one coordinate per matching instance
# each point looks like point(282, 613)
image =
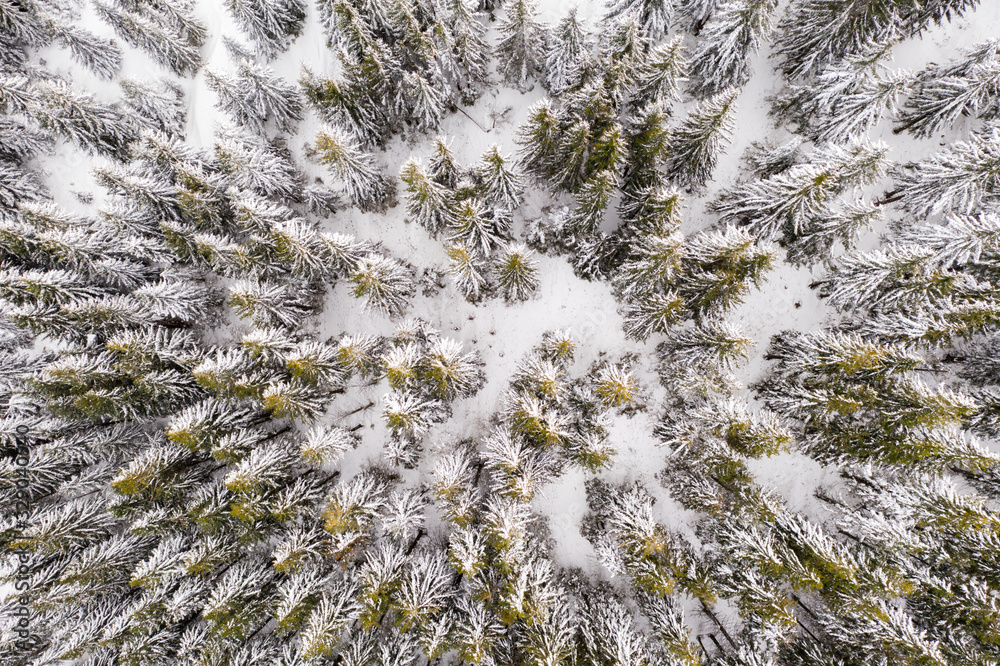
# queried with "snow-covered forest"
point(500, 332)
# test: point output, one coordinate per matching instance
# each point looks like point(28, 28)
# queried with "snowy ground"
point(503, 334)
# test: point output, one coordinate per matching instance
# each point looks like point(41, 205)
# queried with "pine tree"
point(696, 144)
point(898, 277)
point(443, 167)
point(648, 141)
point(409, 415)
point(729, 39)
point(817, 236)
point(521, 51)
point(652, 266)
point(705, 348)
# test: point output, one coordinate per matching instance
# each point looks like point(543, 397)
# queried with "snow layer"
point(501, 333)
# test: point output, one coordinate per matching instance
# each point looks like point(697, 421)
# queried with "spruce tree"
point(270, 24)
point(166, 31)
point(383, 283)
point(498, 184)
point(517, 273)
point(960, 179)
point(653, 15)
point(695, 146)
point(521, 51)
point(254, 95)
point(366, 186)
point(427, 201)
point(729, 39)
point(569, 47)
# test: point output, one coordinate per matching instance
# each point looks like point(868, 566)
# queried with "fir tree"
point(538, 139)
point(270, 303)
point(788, 202)
point(847, 98)
point(719, 269)
point(471, 227)
point(426, 105)
point(812, 35)
point(591, 202)
point(101, 56)
point(653, 314)
point(470, 49)
point(80, 118)
point(253, 164)
point(160, 105)
point(498, 185)
point(468, 270)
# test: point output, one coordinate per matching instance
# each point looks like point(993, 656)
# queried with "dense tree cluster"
point(233, 433)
